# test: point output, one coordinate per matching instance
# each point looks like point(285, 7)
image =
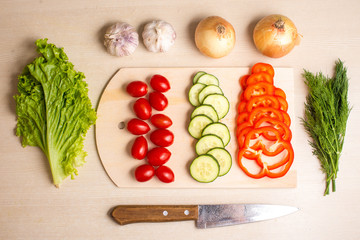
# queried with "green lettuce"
point(54, 111)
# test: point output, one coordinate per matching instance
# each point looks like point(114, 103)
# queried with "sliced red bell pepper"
point(259, 77)
point(283, 103)
point(242, 96)
point(252, 152)
point(260, 88)
point(242, 117)
point(263, 131)
point(260, 112)
point(284, 130)
point(265, 171)
point(241, 126)
point(260, 150)
point(246, 132)
point(272, 150)
point(243, 81)
point(262, 101)
point(241, 107)
point(263, 67)
point(285, 146)
point(279, 92)
point(241, 134)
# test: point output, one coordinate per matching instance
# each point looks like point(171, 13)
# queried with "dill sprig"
point(326, 113)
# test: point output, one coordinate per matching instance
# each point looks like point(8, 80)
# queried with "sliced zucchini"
point(209, 89)
point(208, 79)
point(208, 142)
point(206, 110)
point(197, 75)
point(224, 159)
point(197, 125)
point(204, 168)
point(194, 94)
point(219, 102)
point(219, 129)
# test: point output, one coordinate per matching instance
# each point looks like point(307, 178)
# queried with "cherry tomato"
point(142, 109)
point(158, 100)
point(165, 174)
point(158, 156)
point(159, 83)
point(162, 137)
point(138, 127)
point(137, 89)
point(139, 148)
point(161, 121)
point(144, 172)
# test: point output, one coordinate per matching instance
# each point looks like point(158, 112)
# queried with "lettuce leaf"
point(54, 111)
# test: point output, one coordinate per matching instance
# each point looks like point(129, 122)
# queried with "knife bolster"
point(126, 214)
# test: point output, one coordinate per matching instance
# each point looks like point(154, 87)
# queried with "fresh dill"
point(326, 113)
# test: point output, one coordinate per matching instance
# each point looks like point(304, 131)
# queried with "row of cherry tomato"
point(263, 125)
point(161, 137)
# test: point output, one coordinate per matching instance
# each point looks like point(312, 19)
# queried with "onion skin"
point(275, 36)
point(215, 37)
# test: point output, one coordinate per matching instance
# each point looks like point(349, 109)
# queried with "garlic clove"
point(158, 36)
point(121, 39)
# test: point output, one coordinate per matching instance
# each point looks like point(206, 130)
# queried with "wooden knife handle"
point(125, 214)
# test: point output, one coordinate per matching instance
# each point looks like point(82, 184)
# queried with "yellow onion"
point(215, 37)
point(275, 36)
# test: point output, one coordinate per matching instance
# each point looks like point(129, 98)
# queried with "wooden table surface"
point(32, 208)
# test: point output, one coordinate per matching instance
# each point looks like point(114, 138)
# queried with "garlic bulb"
point(121, 39)
point(158, 36)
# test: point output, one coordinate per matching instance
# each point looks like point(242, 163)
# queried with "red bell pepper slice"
point(272, 150)
point(256, 152)
point(260, 112)
point(279, 92)
point(284, 130)
point(243, 81)
point(252, 152)
point(263, 67)
point(242, 96)
point(259, 77)
point(242, 117)
point(241, 126)
point(241, 107)
point(262, 101)
point(264, 171)
point(251, 133)
point(283, 103)
point(256, 89)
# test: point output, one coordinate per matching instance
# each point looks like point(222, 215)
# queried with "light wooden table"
point(31, 208)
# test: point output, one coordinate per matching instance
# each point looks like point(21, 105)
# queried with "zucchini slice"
point(209, 89)
point(219, 102)
point(208, 79)
point(224, 159)
point(208, 142)
point(219, 129)
point(194, 94)
point(197, 125)
point(204, 168)
point(197, 75)
point(206, 110)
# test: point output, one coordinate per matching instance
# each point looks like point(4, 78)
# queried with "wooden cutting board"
point(115, 110)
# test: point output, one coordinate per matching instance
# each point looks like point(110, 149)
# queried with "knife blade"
point(206, 216)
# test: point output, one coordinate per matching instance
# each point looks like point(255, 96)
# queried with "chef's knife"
point(206, 216)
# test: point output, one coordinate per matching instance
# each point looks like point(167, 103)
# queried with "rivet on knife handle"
point(125, 214)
